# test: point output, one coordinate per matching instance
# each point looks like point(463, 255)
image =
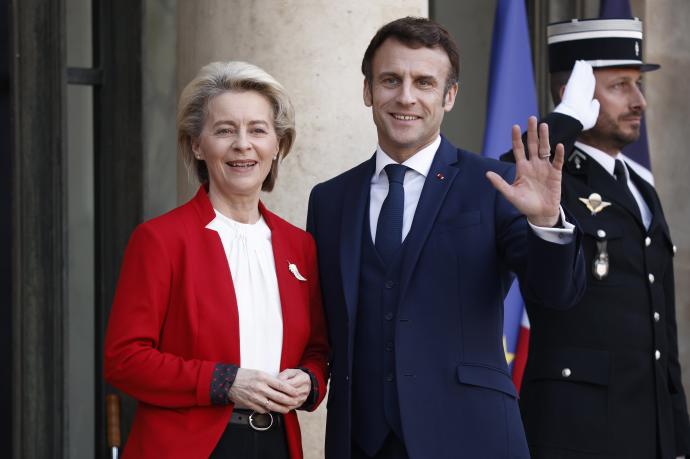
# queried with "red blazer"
point(174, 318)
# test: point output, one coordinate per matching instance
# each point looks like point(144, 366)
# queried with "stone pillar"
point(314, 48)
point(159, 36)
point(668, 118)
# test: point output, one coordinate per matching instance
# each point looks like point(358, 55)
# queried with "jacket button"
point(601, 233)
point(647, 241)
point(389, 378)
point(389, 346)
point(566, 372)
point(675, 249)
point(657, 316)
point(347, 378)
point(657, 354)
point(651, 278)
point(389, 284)
point(388, 316)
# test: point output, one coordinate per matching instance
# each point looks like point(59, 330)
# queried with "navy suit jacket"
point(455, 392)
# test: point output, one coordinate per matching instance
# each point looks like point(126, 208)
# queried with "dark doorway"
point(69, 121)
point(5, 233)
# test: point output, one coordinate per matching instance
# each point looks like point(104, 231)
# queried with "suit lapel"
point(220, 293)
point(354, 211)
point(286, 285)
point(441, 176)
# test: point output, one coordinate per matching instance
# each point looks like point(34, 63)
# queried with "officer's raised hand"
point(577, 97)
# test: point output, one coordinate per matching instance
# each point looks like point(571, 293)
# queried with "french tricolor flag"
point(512, 99)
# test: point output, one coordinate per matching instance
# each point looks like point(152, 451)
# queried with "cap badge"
point(295, 272)
point(637, 48)
point(594, 203)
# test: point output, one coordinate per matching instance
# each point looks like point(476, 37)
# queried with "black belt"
point(257, 421)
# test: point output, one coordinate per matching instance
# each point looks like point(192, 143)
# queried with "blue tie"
point(389, 226)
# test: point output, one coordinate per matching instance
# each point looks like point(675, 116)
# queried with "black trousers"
point(393, 448)
point(243, 442)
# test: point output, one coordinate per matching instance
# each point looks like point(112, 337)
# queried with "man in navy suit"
point(416, 248)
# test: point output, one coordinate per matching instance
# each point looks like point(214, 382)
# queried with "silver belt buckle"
point(259, 428)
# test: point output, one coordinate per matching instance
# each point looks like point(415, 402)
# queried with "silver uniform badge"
point(594, 203)
point(577, 158)
point(600, 266)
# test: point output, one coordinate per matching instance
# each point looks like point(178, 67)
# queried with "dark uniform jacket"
point(603, 378)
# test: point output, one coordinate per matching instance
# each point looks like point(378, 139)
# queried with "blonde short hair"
point(217, 78)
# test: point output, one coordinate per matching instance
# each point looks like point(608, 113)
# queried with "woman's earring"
point(275, 157)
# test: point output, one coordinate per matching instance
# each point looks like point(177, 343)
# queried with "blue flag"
point(512, 95)
point(512, 99)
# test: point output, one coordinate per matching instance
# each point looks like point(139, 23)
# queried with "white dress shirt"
point(250, 256)
point(608, 162)
point(419, 165)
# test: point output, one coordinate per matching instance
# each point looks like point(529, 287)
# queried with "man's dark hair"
point(558, 80)
point(415, 33)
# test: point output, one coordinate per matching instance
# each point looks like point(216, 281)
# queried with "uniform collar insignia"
point(576, 160)
point(594, 203)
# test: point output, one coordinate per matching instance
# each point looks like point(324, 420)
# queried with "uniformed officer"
point(603, 378)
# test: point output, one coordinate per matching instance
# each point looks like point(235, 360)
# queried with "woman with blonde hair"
point(217, 328)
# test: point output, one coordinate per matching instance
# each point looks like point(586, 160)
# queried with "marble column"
point(314, 48)
point(668, 118)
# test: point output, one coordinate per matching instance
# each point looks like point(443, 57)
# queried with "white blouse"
point(250, 257)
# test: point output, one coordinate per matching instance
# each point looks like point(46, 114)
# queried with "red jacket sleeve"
point(133, 362)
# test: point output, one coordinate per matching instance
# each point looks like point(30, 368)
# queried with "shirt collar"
point(605, 160)
point(419, 162)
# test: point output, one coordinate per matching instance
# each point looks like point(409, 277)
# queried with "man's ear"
point(366, 94)
point(449, 99)
point(561, 91)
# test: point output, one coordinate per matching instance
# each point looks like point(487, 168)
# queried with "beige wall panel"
point(668, 120)
point(315, 49)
